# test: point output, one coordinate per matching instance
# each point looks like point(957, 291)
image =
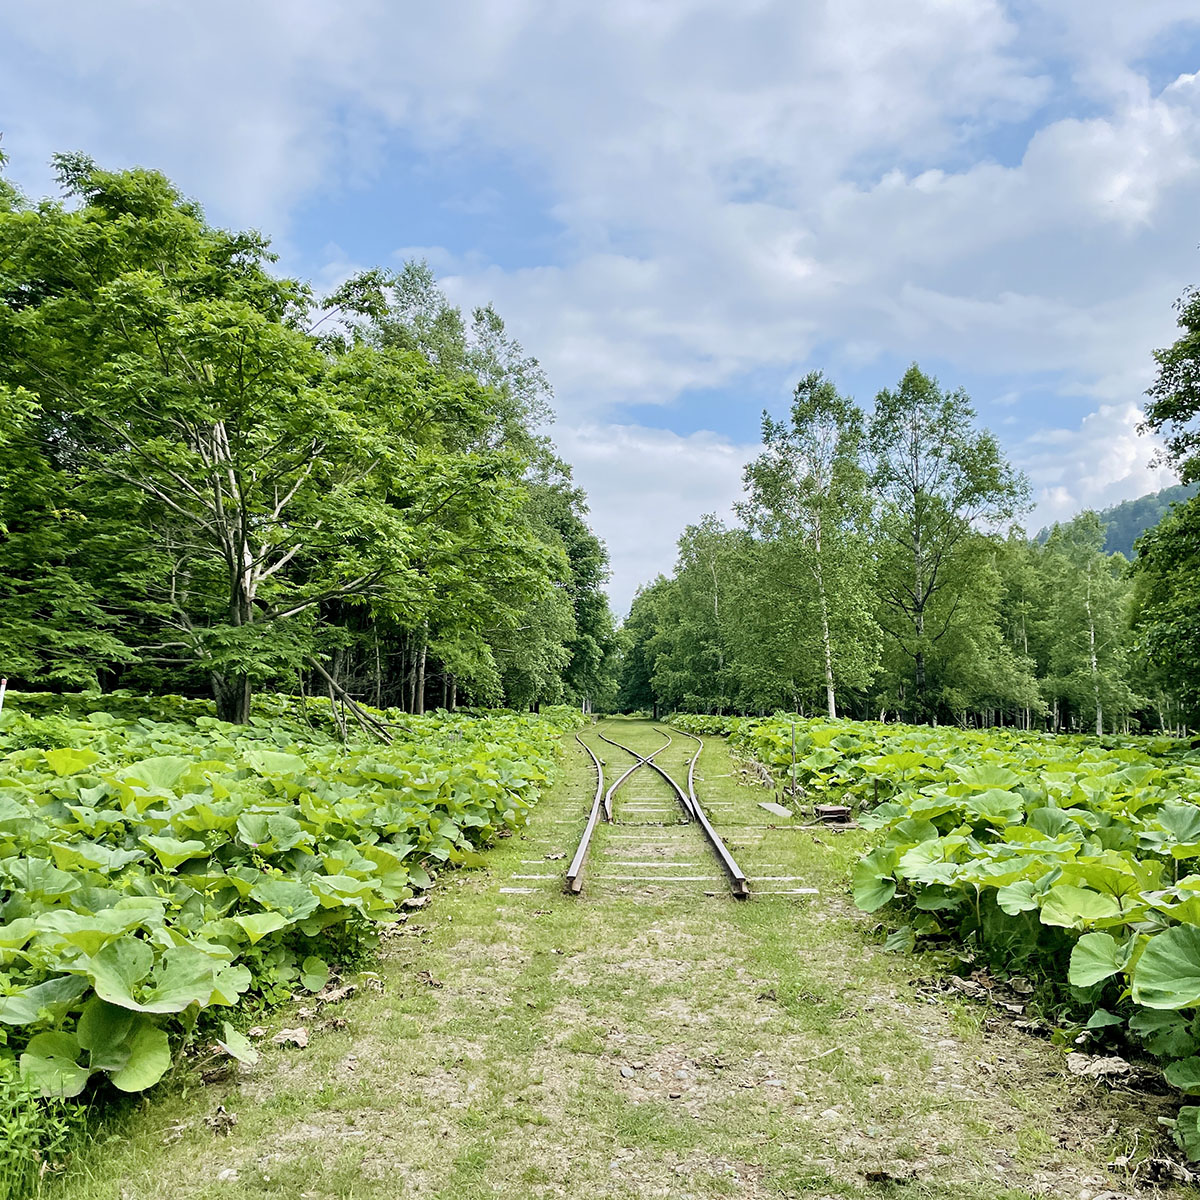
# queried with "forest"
point(215, 481)
point(879, 570)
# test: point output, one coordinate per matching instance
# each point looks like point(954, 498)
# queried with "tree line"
point(877, 569)
point(213, 478)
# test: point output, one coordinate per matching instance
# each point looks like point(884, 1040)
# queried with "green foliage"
point(1173, 411)
point(1167, 611)
point(35, 1133)
point(807, 499)
point(164, 864)
point(893, 592)
point(200, 486)
point(937, 479)
point(1074, 860)
point(1085, 622)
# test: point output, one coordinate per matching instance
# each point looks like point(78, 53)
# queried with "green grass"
point(506, 1081)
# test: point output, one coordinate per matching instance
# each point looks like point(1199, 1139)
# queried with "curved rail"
point(603, 800)
point(737, 879)
point(642, 760)
point(574, 882)
point(680, 794)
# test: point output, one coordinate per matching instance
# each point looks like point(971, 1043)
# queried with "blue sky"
point(682, 207)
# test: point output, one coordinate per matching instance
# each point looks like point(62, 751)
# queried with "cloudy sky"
point(681, 205)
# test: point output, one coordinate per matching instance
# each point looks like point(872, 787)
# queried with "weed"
point(35, 1134)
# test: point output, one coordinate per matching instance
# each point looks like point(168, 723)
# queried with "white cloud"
point(1101, 462)
point(996, 185)
point(644, 486)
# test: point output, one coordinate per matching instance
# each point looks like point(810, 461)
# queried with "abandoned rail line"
point(691, 814)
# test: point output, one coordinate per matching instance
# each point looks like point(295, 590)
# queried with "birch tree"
point(936, 480)
point(806, 496)
point(1090, 608)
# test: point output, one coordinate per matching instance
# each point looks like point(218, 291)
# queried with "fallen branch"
point(360, 714)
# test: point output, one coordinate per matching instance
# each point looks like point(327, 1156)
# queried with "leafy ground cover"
point(644, 1040)
point(1067, 859)
point(159, 867)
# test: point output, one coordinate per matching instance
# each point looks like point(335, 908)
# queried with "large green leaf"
point(1096, 956)
point(1166, 1034)
point(997, 805)
point(149, 1060)
point(872, 879)
point(1181, 822)
point(49, 1064)
point(985, 776)
point(1167, 974)
point(237, 1045)
point(70, 761)
point(314, 973)
point(275, 762)
point(293, 899)
point(85, 855)
point(171, 851)
point(117, 969)
point(159, 773)
point(1017, 897)
point(39, 880)
point(187, 977)
point(257, 926)
point(1075, 907)
point(1187, 1130)
point(1184, 1074)
point(43, 1001)
point(103, 1031)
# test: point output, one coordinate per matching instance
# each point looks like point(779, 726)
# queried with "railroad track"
point(691, 809)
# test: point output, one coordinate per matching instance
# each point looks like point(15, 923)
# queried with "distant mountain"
point(1127, 521)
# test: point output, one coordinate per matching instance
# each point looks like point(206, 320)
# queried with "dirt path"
point(644, 1040)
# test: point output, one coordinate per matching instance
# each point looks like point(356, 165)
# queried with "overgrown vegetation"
point(36, 1132)
point(161, 867)
point(1067, 859)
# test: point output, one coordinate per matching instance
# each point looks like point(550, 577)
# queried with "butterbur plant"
point(154, 875)
point(1073, 860)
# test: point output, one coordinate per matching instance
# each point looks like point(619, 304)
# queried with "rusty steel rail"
point(738, 882)
point(648, 760)
point(642, 761)
point(574, 880)
point(602, 803)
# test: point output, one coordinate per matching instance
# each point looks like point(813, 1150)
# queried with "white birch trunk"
point(1092, 657)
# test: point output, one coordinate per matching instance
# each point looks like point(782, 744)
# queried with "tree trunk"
point(919, 621)
point(1092, 658)
point(419, 702)
point(453, 693)
point(830, 700)
point(410, 686)
point(232, 694)
point(717, 617)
